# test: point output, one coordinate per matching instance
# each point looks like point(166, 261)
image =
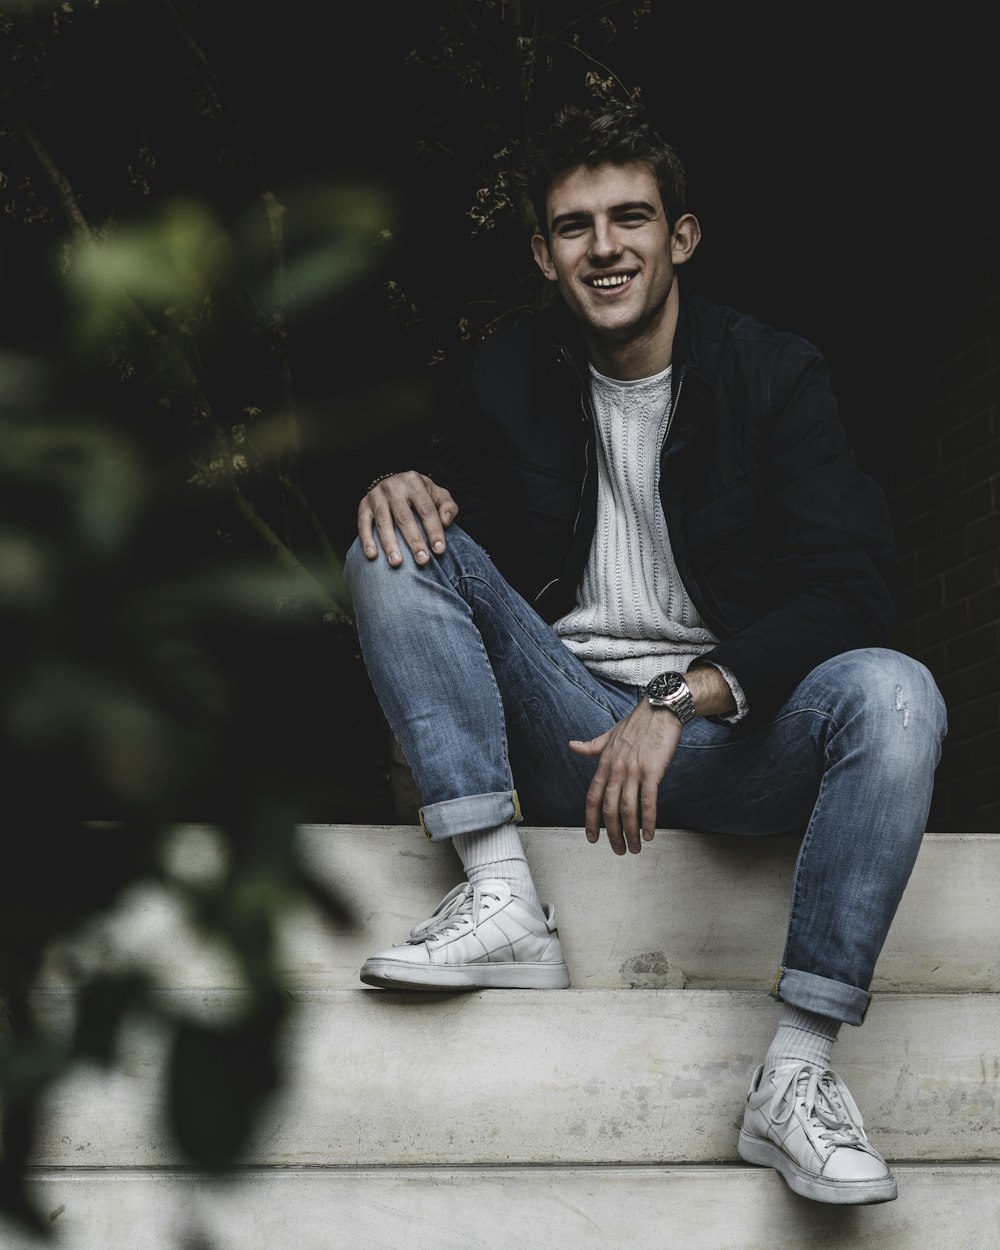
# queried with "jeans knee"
point(372, 582)
point(911, 692)
point(889, 691)
point(377, 586)
point(916, 680)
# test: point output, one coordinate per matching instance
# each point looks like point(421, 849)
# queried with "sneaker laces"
point(458, 909)
point(825, 1098)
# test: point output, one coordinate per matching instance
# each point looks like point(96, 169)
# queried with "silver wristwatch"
point(670, 690)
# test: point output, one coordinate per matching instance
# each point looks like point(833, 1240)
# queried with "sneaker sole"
point(845, 1193)
point(391, 974)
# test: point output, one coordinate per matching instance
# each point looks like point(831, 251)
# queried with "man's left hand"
point(634, 757)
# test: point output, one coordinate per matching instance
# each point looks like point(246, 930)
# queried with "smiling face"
point(612, 254)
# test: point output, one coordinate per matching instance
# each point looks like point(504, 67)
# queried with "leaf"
point(332, 906)
point(102, 1005)
point(218, 1078)
point(14, 1201)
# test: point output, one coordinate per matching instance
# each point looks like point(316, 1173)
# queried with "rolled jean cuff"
point(441, 821)
point(821, 994)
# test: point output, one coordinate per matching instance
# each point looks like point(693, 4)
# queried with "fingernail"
point(439, 545)
point(421, 557)
point(369, 551)
point(393, 557)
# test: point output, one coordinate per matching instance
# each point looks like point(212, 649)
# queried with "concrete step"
point(565, 1077)
point(604, 1116)
point(692, 910)
point(940, 1207)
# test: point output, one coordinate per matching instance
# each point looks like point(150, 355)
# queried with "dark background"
point(829, 147)
point(842, 162)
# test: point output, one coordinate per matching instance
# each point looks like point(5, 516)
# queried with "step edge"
point(431, 1170)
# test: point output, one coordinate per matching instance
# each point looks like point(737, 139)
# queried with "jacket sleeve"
point(829, 538)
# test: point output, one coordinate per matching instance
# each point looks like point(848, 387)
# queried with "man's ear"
point(686, 237)
point(543, 258)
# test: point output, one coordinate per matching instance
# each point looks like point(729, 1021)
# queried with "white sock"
point(802, 1037)
point(497, 854)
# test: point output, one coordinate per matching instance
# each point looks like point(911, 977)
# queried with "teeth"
point(617, 280)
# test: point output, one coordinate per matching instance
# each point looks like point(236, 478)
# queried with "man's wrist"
point(671, 692)
point(713, 695)
point(381, 478)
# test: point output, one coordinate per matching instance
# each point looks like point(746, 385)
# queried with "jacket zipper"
point(674, 402)
point(674, 399)
point(584, 418)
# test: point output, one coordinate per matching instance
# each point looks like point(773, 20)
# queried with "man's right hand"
point(409, 506)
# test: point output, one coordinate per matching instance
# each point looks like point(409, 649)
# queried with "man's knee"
point(375, 578)
point(889, 688)
point(377, 586)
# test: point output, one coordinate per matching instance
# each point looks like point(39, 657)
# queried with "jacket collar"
point(686, 359)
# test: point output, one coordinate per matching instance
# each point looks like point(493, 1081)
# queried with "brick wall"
point(937, 407)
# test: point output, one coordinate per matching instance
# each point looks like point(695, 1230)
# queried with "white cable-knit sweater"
point(633, 618)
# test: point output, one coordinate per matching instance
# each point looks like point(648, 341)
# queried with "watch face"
point(665, 684)
point(670, 690)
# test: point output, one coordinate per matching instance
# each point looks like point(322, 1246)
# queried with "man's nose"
point(604, 242)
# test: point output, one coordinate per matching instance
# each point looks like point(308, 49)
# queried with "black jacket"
point(783, 544)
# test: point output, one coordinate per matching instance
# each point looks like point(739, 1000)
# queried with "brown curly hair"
point(604, 135)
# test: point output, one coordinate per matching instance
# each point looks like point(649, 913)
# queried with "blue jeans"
point(480, 692)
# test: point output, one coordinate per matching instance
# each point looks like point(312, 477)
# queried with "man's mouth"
point(606, 282)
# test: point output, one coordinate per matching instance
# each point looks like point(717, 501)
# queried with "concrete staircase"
point(604, 1116)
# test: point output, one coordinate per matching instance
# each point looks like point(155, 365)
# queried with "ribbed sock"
point(497, 854)
point(802, 1037)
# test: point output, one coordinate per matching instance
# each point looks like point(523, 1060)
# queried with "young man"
point(668, 595)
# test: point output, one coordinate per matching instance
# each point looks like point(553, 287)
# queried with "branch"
point(593, 59)
point(275, 214)
point(284, 555)
point(332, 559)
point(70, 205)
point(81, 230)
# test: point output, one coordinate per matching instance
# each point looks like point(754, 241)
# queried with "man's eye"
point(633, 219)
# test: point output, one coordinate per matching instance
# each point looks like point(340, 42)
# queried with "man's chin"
point(619, 331)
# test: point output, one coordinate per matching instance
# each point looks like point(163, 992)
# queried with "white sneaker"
point(479, 936)
point(801, 1120)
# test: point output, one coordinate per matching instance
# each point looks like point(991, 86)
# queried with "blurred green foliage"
point(121, 695)
point(175, 503)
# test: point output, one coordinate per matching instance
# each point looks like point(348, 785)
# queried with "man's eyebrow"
point(581, 217)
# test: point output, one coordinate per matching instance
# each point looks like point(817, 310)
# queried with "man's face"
point(611, 252)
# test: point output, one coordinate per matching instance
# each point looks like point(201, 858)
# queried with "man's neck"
point(643, 354)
